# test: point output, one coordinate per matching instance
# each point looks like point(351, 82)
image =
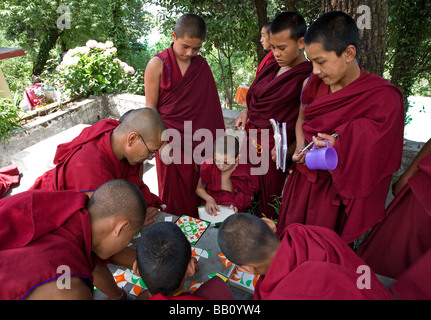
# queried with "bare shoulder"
point(154, 65)
point(305, 82)
point(75, 289)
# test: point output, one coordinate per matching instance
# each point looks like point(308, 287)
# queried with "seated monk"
point(307, 263)
point(51, 241)
point(109, 150)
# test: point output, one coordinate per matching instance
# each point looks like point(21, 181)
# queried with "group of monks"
point(83, 213)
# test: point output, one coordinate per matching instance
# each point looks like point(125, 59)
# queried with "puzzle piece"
point(194, 286)
point(192, 228)
point(224, 260)
point(243, 280)
point(123, 277)
point(200, 253)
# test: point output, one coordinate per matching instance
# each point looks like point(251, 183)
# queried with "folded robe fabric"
point(88, 161)
point(368, 116)
point(314, 263)
point(9, 176)
point(403, 236)
point(39, 232)
point(192, 98)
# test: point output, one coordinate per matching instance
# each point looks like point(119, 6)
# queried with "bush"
point(9, 118)
point(94, 70)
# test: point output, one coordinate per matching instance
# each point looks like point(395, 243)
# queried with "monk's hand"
point(151, 212)
point(274, 154)
point(211, 206)
point(235, 209)
point(298, 155)
point(241, 120)
point(319, 140)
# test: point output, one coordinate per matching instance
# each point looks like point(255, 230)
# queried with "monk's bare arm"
point(210, 204)
point(152, 78)
point(412, 169)
point(78, 290)
point(301, 142)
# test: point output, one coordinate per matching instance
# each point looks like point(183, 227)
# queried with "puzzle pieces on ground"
point(193, 228)
point(200, 253)
point(243, 280)
point(123, 277)
point(224, 260)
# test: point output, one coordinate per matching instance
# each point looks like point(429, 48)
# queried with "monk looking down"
point(180, 85)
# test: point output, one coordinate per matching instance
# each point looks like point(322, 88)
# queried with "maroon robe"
point(40, 231)
point(405, 234)
point(267, 59)
point(415, 282)
point(244, 185)
point(9, 176)
point(192, 97)
point(88, 161)
point(314, 263)
point(368, 116)
point(277, 98)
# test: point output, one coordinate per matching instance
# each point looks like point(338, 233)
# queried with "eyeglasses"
point(151, 153)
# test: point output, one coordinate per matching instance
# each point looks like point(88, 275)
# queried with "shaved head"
point(145, 121)
point(245, 238)
point(118, 198)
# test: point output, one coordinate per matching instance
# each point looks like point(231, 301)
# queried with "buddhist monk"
point(275, 93)
point(180, 85)
point(51, 241)
point(164, 261)
point(266, 45)
point(307, 263)
point(224, 181)
point(108, 150)
point(366, 112)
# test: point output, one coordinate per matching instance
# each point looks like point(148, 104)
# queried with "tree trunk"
point(371, 17)
point(48, 42)
point(261, 7)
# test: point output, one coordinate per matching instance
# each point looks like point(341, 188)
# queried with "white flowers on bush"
point(71, 57)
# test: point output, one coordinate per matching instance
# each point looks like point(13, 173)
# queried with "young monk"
point(180, 85)
point(266, 45)
point(403, 236)
point(367, 113)
point(164, 261)
point(275, 93)
point(223, 181)
point(307, 263)
point(109, 150)
point(51, 241)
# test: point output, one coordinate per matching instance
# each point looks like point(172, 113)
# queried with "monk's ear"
point(349, 53)
point(174, 36)
point(121, 226)
point(132, 138)
point(135, 268)
point(301, 43)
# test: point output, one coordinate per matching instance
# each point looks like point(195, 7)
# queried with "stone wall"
point(88, 111)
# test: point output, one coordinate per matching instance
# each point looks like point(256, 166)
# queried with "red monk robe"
point(415, 282)
point(192, 97)
point(313, 263)
point(9, 176)
point(368, 116)
point(267, 59)
point(40, 231)
point(277, 98)
point(405, 234)
point(88, 161)
point(244, 185)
